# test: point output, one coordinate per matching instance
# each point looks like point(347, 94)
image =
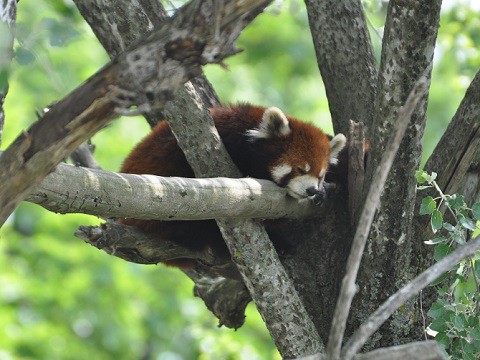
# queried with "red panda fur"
point(159, 154)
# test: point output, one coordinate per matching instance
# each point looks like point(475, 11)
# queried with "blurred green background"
point(63, 299)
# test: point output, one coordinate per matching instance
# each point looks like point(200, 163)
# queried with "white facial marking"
point(278, 172)
point(307, 167)
point(297, 187)
point(322, 173)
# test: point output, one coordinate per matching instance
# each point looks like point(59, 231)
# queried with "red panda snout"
point(299, 184)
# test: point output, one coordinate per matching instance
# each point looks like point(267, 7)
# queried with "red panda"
point(263, 142)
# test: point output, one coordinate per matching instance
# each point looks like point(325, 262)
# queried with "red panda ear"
point(336, 145)
point(274, 124)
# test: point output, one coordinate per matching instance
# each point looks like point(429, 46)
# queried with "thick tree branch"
point(288, 342)
point(372, 202)
point(252, 252)
point(130, 20)
point(345, 59)
point(407, 53)
point(358, 339)
point(459, 144)
point(200, 32)
point(8, 17)
point(71, 189)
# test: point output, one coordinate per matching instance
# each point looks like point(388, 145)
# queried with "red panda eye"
point(301, 171)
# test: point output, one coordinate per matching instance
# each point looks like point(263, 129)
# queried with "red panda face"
point(305, 154)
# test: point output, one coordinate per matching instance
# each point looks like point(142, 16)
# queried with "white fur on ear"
point(337, 143)
point(274, 123)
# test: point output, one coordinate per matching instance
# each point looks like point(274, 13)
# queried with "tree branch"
point(372, 324)
point(459, 143)
point(131, 20)
point(252, 251)
point(421, 350)
point(200, 32)
point(372, 202)
point(345, 59)
point(8, 17)
point(407, 53)
point(178, 115)
point(71, 189)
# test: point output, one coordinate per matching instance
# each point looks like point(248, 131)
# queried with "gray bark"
point(372, 202)
point(71, 189)
point(296, 338)
point(345, 59)
point(145, 76)
point(8, 17)
point(252, 252)
point(372, 324)
point(408, 45)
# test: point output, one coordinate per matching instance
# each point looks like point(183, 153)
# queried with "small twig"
point(375, 320)
point(372, 201)
point(423, 316)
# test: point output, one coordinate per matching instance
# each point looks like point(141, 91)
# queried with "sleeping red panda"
point(263, 142)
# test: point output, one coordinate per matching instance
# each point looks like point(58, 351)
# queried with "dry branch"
point(145, 76)
point(372, 202)
point(358, 339)
point(71, 189)
point(420, 350)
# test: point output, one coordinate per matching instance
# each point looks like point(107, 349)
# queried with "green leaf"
point(441, 251)
point(436, 221)
point(476, 211)
point(468, 223)
point(475, 333)
point(448, 226)
point(424, 187)
point(420, 175)
point(436, 310)
point(435, 241)
point(458, 322)
point(458, 238)
point(442, 339)
point(439, 325)
point(428, 205)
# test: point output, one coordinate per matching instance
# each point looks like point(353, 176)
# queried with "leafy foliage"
point(456, 312)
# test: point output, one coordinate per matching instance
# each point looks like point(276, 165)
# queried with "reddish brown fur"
point(158, 154)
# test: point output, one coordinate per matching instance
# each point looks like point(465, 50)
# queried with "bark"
point(252, 252)
point(407, 52)
point(372, 202)
point(457, 150)
point(129, 21)
point(296, 338)
point(421, 350)
point(144, 76)
point(71, 189)
point(8, 17)
point(372, 324)
point(345, 59)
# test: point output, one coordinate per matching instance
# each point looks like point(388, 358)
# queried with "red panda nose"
point(312, 191)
